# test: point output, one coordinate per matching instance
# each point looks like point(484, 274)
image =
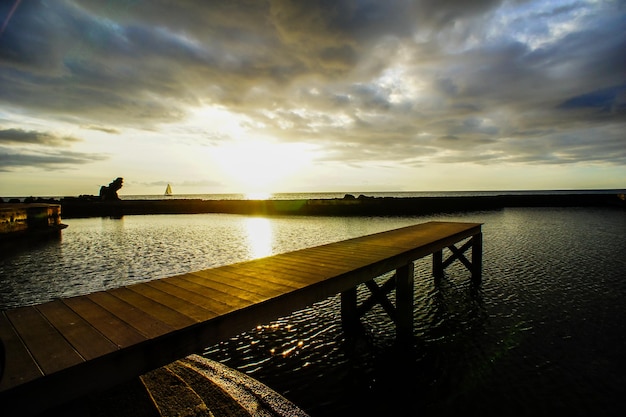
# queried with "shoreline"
point(77, 207)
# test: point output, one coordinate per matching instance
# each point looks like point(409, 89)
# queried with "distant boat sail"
point(168, 190)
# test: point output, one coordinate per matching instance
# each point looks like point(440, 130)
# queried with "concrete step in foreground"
point(197, 386)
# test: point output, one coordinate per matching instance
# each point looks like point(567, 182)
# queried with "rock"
point(110, 192)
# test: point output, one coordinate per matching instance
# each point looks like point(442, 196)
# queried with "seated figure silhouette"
point(110, 192)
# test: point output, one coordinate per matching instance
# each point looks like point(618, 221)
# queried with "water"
point(543, 334)
point(397, 194)
point(327, 195)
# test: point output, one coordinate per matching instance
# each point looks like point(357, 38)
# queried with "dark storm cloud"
point(369, 80)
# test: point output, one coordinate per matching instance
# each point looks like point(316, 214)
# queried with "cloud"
point(104, 129)
point(22, 137)
point(388, 82)
point(21, 148)
point(10, 159)
point(612, 99)
point(184, 184)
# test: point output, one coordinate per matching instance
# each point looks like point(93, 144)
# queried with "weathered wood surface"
point(63, 349)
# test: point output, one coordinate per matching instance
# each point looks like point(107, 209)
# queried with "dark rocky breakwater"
point(74, 207)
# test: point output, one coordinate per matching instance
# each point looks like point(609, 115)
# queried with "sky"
point(252, 96)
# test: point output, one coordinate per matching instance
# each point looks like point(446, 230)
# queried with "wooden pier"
point(64, 349)
point(19, 220)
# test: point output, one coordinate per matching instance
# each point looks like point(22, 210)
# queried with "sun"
point(260, 166)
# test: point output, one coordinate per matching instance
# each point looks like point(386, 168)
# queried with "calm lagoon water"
point(543, 334)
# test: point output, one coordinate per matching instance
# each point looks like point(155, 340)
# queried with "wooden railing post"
point(404, 302)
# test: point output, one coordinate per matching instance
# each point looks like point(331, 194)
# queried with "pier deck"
point(63, 349)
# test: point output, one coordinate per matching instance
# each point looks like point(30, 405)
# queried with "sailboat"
point(168, 190)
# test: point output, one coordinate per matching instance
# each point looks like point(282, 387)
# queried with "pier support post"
point(438, 264)
point(3, 361)
point(349, 313)
point(404, 302)
point(475, 266)
point(477, 257)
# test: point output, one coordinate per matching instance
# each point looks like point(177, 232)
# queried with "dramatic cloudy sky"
point(336, 95)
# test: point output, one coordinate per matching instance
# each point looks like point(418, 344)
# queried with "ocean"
point(542, 334)
point(396, 194)
point(336, 194)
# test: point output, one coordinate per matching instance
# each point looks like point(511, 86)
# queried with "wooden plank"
point(214, 282)
point(114, 329)
point(301, 262)
point(417, 235)
point(192, 298)
point(20, 366)
point(337, 254)
point(83, 337)
point(47, 346)
point(364, 248)
point(276, 279)
point(324, 280)
point(279, 274)
point(211, 295)
point(239, 285)
point(298, 271)
point(350, 265)
point(349, 259)
point(145, 324)
point(291, 276)
point(173, 302)
point(152, 308)
point(238, 278)
point(320, 264)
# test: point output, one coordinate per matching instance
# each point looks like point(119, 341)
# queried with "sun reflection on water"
point(259, 236)
point(258, 195)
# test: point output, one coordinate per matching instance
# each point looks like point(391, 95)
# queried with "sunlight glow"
point(260, 166)
point(259, 195)
point(259, 236)
point(218, 122)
